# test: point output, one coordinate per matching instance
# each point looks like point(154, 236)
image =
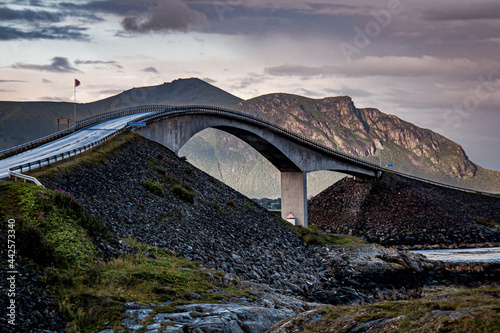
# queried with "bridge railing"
point(16, 170)
point(79, 125)
point(193, 109)
point(428, 181)
point(166, 111)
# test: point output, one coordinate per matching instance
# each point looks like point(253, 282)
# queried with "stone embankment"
point(407, 214)
point(225, 230)
point(34, 310)
point(163, 201)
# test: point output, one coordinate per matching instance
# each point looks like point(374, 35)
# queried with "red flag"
point(77, 82)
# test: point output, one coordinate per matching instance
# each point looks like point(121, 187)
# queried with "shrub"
point(153, 187)
point(34, 245)
point(183, 193)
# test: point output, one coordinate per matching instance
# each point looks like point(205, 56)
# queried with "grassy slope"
point(455, 310)
point(89, 293)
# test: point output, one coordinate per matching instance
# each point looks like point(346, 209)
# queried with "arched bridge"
point(291, 154)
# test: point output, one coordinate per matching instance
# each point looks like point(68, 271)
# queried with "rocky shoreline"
point(224, 230)
point(445, 246)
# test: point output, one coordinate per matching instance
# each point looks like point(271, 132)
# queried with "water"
point(490, 254)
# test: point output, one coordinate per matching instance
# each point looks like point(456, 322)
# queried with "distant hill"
point(25, 121)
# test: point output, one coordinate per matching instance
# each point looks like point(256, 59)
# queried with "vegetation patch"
point(184, 193)
point(152, 186)
point(313, 235)
point(486, 222)
point(57, 224)
point(471, 310)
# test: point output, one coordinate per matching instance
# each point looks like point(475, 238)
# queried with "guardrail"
point(79, 125)
point(201, 109)
point(58, 157)
point(171, 111)
point(453, 187)
point(25, 177)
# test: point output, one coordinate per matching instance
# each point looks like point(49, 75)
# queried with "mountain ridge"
point(336, 123)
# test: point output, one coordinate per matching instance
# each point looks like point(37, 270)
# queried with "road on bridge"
point(69, 142)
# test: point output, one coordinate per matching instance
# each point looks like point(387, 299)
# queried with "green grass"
point(179, 188)
point(152, 186)
point(313, 235)
point(90, 297)
point(428, 314)
point(55, 220)
point(486, 222)
point(183, 193)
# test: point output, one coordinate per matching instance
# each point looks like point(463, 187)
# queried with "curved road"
point(69, 142)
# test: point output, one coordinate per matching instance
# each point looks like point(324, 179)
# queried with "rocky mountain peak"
point(337, 123)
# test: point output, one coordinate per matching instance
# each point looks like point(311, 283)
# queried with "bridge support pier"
point(294, 196)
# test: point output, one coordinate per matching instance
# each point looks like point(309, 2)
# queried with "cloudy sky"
point(433, 63)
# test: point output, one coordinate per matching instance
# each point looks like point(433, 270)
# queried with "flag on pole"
point(77, 82)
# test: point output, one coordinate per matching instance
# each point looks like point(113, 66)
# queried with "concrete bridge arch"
point(290, 154)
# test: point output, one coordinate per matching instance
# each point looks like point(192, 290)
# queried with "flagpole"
point(74, 105)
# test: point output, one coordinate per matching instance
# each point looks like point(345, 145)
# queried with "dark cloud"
point(58, 65)
point(8, 81)
point(144, 16)
point(46, 81)
point(166, 16)
point(151, 70)
point(111, 63)
point(32, 16)
point(118, 7)
point(50, 32)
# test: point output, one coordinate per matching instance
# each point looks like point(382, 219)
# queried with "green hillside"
point(25, 121)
